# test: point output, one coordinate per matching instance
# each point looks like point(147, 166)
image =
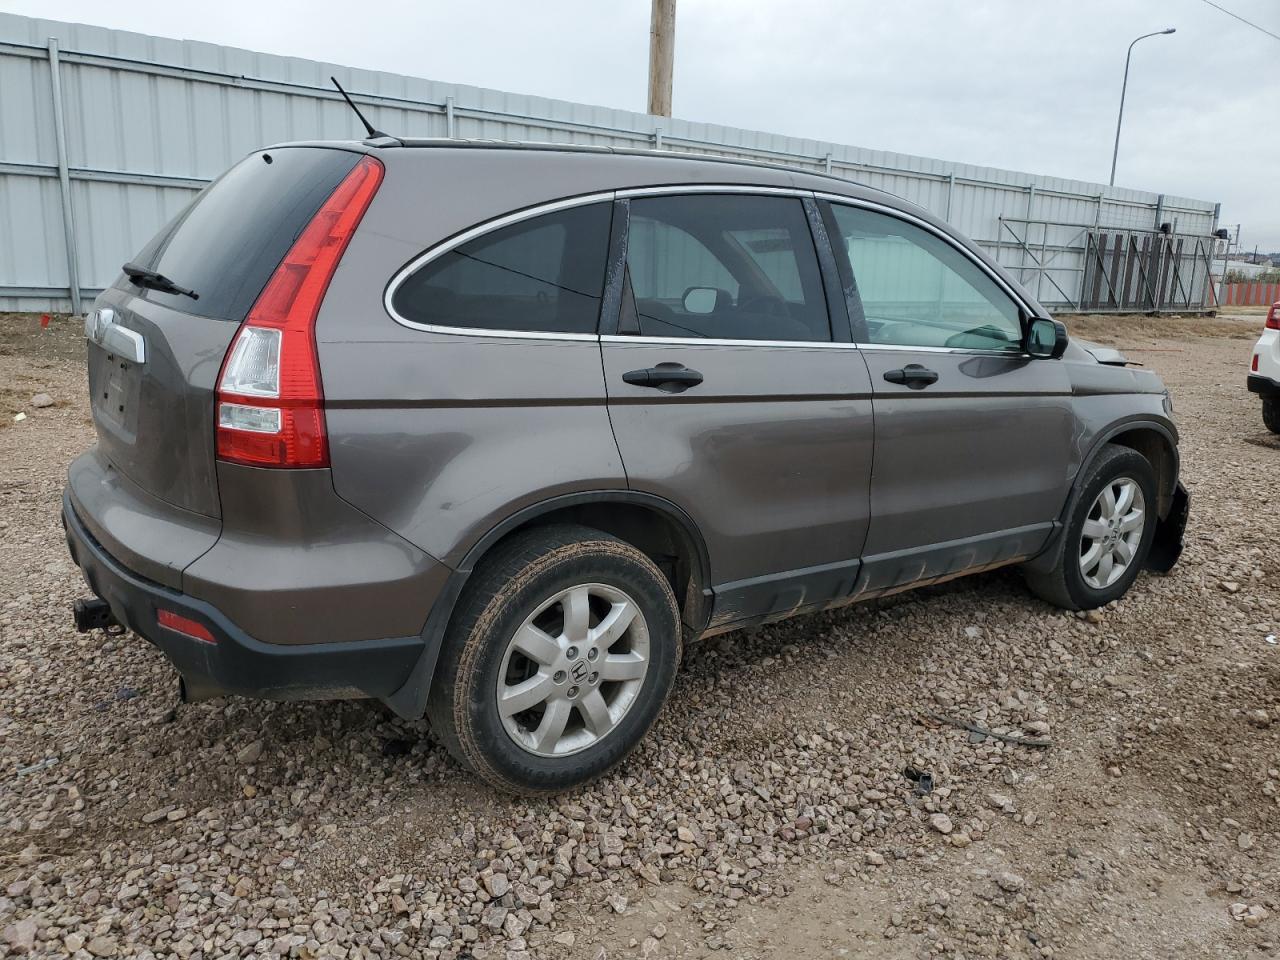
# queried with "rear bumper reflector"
point(184, 625)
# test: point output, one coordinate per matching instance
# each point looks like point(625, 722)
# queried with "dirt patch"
point(42, 350)
point(1154, 330)
point(43, 345)
point(768, 815)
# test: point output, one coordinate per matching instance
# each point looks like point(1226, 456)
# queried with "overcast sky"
point(1006, 83)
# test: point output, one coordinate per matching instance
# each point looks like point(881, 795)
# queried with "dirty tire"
point(1064, 585)
point(1271, 413)
point(507, 587)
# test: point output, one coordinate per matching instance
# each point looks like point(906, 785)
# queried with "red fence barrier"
point(1248, 294)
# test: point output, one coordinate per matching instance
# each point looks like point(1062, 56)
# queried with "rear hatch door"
point(154, 356)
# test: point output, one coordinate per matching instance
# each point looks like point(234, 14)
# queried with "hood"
point(1108, 355)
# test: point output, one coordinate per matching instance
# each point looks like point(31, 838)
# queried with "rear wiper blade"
point(156, 281)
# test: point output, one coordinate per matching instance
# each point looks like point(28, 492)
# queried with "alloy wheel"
point(1112, 533)
point(573, 669)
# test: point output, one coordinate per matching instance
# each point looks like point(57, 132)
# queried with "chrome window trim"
point(494, 334)
point(631, 193)
point(479, 230)
point(794, 192)
point(713, 342)
point(537, 210)
point(909, 348)
point(812, 344)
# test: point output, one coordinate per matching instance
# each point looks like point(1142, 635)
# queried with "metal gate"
point(1143, 271)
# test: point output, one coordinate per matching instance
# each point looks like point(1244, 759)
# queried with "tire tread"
point(1052, 586)
point(500, 577)
point(1271, 413)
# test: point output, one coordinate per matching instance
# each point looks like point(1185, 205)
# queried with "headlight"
point(1168, 403)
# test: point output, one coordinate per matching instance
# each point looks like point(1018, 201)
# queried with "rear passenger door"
point(730, 396)
point(973, 436)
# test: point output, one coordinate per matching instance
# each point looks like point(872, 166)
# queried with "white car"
point(1264, 370)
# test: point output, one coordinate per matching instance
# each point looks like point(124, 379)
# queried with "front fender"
point(1140, 431)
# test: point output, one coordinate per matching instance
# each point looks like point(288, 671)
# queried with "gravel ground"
point(767, 815)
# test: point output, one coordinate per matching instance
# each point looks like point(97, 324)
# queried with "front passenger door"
point(972, 436)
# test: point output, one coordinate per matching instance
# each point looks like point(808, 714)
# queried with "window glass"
point(771, 250)
point(725, 266)
point(918, 290)
point(544, 274)
point(233, 235)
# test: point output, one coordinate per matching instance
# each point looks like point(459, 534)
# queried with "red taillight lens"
point(270, 399)
point(1273, 317)
point(184, 625)
point(1254, 366)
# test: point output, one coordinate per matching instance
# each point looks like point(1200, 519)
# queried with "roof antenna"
point(374, 132)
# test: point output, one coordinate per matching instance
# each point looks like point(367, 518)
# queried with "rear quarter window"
point(228, 242)
point(540, 275)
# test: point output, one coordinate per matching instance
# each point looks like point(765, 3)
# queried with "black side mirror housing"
point(1046, 339)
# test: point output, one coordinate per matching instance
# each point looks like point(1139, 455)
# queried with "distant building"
point(1246, 269)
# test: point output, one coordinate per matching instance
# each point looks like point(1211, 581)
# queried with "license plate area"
point(115, 393)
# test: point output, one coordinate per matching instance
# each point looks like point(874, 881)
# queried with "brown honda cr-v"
point(488, 432)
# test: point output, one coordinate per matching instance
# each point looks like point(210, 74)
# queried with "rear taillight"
point(270, 400)
point(1273, 317)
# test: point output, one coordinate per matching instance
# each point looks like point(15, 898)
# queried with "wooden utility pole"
point(662, 54)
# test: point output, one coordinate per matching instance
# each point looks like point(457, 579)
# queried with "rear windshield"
point(226, 245)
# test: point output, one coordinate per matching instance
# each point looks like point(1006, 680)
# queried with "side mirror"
point(700, 300)
point(1046, 338)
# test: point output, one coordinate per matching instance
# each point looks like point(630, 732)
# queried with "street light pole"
point(1120, 119)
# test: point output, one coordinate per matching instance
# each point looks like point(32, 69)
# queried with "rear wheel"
point(559, 658)
point(1271, 413)
point(1107, 536)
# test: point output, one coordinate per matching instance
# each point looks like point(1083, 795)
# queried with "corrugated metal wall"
point(149, 120)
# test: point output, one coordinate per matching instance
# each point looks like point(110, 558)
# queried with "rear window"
point(227, 243)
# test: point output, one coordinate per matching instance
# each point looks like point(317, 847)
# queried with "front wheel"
point(560, 656)
point(1108, 534)
point(1271, 413)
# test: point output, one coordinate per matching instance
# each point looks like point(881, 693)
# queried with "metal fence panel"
point(1146, 271)
point(1249, 294)
point(148, 120)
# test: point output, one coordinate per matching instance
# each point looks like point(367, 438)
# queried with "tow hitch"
point(93, 613)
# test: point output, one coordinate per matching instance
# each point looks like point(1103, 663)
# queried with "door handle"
point(913, 375)
point(671, 377)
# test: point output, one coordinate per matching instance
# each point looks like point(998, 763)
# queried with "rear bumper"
point(288, 562)
point(1264, 386)
point(236, 663)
